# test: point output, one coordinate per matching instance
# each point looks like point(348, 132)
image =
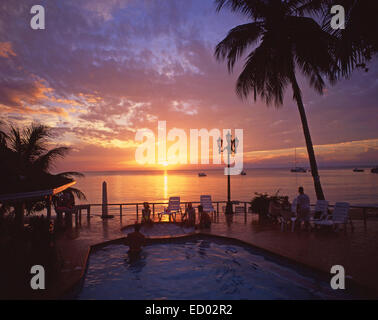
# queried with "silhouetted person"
point(135, 241)
point(303, 208)
point(190, 216)
point(205, 220)
point(146, 213)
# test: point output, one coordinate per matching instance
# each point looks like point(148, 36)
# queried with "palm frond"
point(34, 138)
point(312, 50)
point(255, 9)
point(3, 136)
point(78, 193)
point(265, 74)
point(70, 174)
point(46, 161)
point(237, 41)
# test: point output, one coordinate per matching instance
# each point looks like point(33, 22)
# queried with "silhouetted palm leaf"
point(78, 193)
point(46, 160)
point(355, 45)
point(25, 164)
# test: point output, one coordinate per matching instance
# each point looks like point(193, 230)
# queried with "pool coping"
point(69, 292)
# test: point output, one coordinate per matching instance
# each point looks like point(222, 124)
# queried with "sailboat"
point(297, 169)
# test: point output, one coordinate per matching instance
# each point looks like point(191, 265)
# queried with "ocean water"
point(157, 186)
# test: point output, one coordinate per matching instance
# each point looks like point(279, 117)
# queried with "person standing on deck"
point(303, 208)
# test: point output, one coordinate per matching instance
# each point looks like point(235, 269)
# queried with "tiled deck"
point(356, 251)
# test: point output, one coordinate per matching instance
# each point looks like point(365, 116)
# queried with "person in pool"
point(135, 240)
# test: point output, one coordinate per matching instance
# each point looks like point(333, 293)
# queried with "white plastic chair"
point(207, 204)
point(322, 207)
point(339, 216)
point(174, 207)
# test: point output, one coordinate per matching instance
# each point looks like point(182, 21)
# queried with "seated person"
point(135, 240)
point(189, 217)
point(205, 220)
point(146, 213)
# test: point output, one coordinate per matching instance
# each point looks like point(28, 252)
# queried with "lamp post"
point(232, 144)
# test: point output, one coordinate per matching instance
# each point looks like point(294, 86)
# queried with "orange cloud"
point(6, 50)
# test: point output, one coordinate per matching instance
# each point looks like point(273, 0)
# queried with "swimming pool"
point(202, 269)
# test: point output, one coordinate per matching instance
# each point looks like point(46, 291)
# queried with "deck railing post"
point(137, 213)
point(153, 210)
point(88, 211)
point(120, 210)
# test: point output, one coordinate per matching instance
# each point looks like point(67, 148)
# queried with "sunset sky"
point(101, 70)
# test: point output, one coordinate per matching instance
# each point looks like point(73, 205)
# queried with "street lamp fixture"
point(232, 145)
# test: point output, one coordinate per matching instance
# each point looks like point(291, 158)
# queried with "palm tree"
point(281, 42)
point(26, 163)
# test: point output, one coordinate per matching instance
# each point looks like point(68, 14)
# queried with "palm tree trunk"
point(306, 132)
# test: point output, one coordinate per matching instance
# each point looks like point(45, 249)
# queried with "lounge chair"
point(207, 204)
point(322, 208)
point(339, 216)
point(173, 208)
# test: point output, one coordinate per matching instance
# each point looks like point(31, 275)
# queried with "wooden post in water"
point(104, 200)
point(245, 212)
point(120, 210)
point(137, 213)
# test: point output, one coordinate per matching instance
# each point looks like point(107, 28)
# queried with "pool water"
point(201, 270)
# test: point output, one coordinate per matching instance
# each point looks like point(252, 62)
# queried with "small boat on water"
point(374, 170)
point(295, 168)
point(243, 173)
point(358, 170)
point(298, 169)
point(202, 174)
